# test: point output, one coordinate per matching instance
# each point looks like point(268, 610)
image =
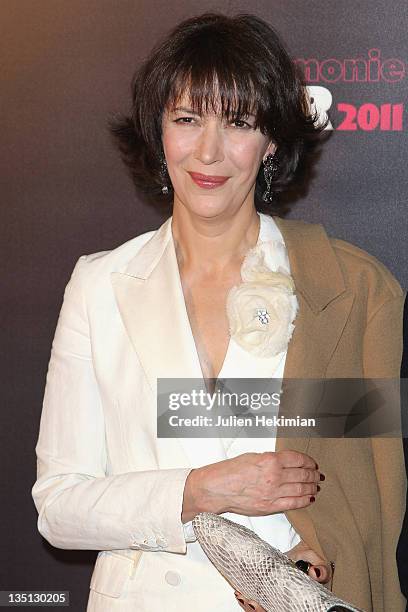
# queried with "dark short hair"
point(239, 62)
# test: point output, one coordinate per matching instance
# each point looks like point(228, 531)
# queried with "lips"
point(208, 181)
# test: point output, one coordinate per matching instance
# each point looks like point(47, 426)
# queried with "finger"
point(245, 603)
point(282, 504)
point(240, 601)
point(290, 458)
point(304, 552)
point(248, 604)
point(320, 573)
point(298, 489)
point(300, 475)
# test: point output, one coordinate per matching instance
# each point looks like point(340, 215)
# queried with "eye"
point(241, 124)
point(184, 120)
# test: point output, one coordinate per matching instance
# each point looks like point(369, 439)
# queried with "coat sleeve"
point(382, 359)
point(79, 505)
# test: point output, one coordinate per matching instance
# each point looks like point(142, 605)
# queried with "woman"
point(220, 121)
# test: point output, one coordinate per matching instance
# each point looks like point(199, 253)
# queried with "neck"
point(212, 245)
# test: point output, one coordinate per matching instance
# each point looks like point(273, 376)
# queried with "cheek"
point(176, 145)
point(245, 155)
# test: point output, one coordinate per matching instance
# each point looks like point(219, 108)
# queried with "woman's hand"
point(249, 605)
point(252, 484)
point(320, 570)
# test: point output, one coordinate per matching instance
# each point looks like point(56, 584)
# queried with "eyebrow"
point(183, 109)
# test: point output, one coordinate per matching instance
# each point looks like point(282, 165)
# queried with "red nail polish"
point(312, 499)
point(316, 569)
point(322, 477)
point(318, 488)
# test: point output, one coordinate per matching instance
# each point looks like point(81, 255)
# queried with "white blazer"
point(105, 481)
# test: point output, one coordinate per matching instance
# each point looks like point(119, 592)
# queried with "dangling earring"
point(164, 174)
point(270, 166)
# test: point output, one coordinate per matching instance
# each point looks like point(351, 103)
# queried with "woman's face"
point(209, 147)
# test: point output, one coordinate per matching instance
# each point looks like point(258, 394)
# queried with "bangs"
point(213, 87)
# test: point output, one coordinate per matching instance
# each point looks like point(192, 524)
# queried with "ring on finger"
point(303, 565)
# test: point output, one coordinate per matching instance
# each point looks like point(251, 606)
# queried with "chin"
point(208, 206)
point(209, 211)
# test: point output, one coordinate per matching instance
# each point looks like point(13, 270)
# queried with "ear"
point(270, 149)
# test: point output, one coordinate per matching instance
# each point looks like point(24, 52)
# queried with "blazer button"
point(172, 578)
point(161, 542)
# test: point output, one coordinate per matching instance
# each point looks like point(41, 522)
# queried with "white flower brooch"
point(261, 310)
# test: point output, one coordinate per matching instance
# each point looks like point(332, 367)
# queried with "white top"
point(238, 363)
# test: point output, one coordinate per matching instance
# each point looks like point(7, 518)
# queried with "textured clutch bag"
point(259, 571)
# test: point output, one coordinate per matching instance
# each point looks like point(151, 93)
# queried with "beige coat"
point(105, 481)
point(350, 325)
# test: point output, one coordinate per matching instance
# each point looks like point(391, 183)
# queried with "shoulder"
point(339, 263)
point(94, 269)
point(120, 255)
point(365, 268)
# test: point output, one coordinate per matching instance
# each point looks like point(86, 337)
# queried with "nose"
point(209, 146)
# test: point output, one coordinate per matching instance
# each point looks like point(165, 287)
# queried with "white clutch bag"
point(259, 571)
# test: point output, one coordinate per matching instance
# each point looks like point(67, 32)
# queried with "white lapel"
point(150, 299)
point(241, 364)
